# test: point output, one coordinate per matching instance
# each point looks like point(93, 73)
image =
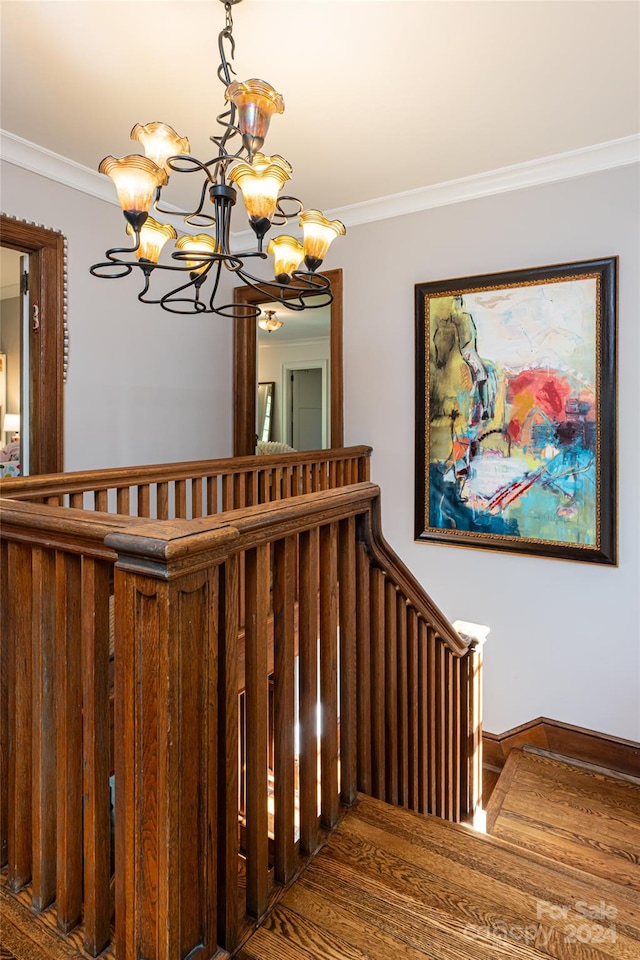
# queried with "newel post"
point(167, 586)
point(471, 692)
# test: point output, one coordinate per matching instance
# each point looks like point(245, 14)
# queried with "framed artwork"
point(516, 411)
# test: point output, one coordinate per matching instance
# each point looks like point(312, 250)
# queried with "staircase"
point(558, 876)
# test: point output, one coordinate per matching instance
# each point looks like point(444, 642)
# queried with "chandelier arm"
point(282, 216)
point(186, 214)
point(289, 294)
point(225, 70)
point(98, 269)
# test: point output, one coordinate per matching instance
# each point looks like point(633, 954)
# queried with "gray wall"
point(147, 387)
point(565, 637)
point(144, 386)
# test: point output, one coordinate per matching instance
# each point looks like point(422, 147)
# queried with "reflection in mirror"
point(297, 325)
point(265, 411)
point(295, 357)
point(14, 448)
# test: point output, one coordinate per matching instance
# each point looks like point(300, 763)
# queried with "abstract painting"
point(516, 413)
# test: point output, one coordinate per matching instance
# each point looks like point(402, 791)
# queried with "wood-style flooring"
point(392, 885)
point(559, 878)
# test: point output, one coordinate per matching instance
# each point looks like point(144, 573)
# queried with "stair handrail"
point(79, 481)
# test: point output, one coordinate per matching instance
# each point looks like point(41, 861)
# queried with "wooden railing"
point(396, 686)
point(194, 489)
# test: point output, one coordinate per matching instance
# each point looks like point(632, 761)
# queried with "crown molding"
point(532, 173)
point(53, 166)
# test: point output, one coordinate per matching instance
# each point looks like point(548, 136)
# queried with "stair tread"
point(581, 817)
point(392, 883)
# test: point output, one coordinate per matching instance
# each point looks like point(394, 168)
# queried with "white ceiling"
point(381, 97)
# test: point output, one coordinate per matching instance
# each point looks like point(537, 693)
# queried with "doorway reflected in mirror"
point(307, 340)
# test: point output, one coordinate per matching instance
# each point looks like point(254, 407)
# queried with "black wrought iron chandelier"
point(198, 259)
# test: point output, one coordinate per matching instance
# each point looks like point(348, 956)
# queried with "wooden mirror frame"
point(46, 250)
point(245, 369)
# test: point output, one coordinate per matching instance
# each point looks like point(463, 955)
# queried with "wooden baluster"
point(286, 483)
point(471, 732)
point(296, 480)
point(162, 501)
point(403, 705)
point(53, 501)
point(329, 672)
point(256, 692)
point(77, 501)
point(284, 746)
point(391, 693)
point(333, 474)
point(19, 625)
point(314, 469)
point(43, 882)
point(438, 681)
point(181, 499)
point(96, 720)
point(123, 501)
point(426, 719)
point(308, 654)
point(348, 666)
point(212, 495)
point(413, 702)
point(102, 501)
point(378, 758)
point(239, 490)
point(449, 731)
point(307, 478)
point(253, 491)
point(323, 469)
point(457, 753)
point(197, 498)
point(144, 500)
point(227, 492)
point(69, 741)
point(4, 704)
point(263, 486)
point(228, 753)
point(363, 659)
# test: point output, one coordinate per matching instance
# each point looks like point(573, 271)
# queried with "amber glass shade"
point(269, 321)
point(256, 102)
point(287, 255)
point(202, 244)
point(153, 236)
point(317, 235)
point(260, 183)
point(136, 179)
point(160, 142)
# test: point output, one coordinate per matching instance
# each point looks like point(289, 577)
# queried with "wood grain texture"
point(579, 743)
point(572, 814)
point(390, 883)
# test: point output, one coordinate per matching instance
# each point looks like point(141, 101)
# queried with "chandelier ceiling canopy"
point(198, 257)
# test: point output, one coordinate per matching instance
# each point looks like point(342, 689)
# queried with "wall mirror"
point(303, 359)
point(33, 344)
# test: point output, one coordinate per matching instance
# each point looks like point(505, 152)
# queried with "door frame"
point(245, 369)
point(47, 336)
point(287, 368)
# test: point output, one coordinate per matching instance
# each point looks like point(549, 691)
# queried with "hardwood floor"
point(392, 884)
point(558, 878)
point(570, 812)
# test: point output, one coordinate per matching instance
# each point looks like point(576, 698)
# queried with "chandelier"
point(269, 321)
point(198, 258)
